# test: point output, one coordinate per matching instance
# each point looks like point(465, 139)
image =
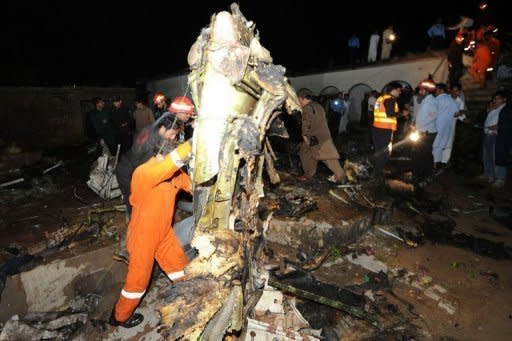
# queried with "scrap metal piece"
point(238, 92)
point(332, 193)
point(327, 301)
point(10, 183)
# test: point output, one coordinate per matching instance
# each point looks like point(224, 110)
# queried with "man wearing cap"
point(161, 103)
point(425, 124)
point(385, 113)
point(317, 142)
point(183, 108)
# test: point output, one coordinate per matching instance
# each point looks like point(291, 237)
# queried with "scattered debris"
point(337, 196)
point(368, 262)
point(58, 164)
point(356, 172)
point(44, 326)
point(325, 300)
point(450, 309)
point(10, 183)
point(296, 203)
point(407, 242)
point(102, 179)
point(399, 187)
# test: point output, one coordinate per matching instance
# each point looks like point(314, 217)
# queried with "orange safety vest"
point(380, 119)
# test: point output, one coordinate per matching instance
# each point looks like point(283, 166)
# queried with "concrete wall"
point(37, 117)
point(376, 76)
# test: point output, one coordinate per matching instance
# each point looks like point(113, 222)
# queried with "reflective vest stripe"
point(380, 119)
point(176, 159)
point(132, 295)
point(175, 275)
point(181, 107)
point(181, 154)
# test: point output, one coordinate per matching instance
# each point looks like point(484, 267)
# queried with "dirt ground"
point(448, 292)
point(477, 287)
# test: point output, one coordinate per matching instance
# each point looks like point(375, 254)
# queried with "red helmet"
point(182, 104)
point(158, 98)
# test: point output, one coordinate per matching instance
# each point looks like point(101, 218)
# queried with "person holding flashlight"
point(425, 125)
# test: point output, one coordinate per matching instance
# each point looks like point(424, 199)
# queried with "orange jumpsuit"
point(481, 62)
point(155, 185)
point(494, 45)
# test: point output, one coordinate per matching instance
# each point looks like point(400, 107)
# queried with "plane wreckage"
point(238, 92)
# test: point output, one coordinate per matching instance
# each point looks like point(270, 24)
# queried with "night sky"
point(113, 43)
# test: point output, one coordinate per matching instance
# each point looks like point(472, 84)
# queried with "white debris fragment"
point(417, 285)
point(450, 309)
point(204, 246)
point(431, 294)
point(368, 262)
point(335, 262)
point(439, 288)
point(369, 294)
point(261, 331)
point(271, 301)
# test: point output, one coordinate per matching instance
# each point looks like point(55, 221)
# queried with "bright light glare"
point(414, 136)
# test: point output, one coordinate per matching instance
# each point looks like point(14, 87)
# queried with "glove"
point(182, 154)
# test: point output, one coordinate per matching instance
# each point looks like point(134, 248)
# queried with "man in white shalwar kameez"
point(388, 37)
point(447, 109)
point(373, 46)
point(458, 96)
point(344, 117)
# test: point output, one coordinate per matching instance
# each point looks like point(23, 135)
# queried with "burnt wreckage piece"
point(238, 93)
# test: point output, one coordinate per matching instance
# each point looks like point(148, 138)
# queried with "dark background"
point(113, 43)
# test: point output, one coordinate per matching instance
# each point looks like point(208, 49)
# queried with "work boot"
point(133, 321)
point(190, 252)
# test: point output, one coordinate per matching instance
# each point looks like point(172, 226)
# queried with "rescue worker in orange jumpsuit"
point(385, 115)
point(495, 47)
point(481, 61)
point(154, 187)
point(165, 130)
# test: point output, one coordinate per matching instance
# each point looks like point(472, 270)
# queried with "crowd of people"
point(432, 111)
point(474, 44)
point(386, 44)
point(150, 173)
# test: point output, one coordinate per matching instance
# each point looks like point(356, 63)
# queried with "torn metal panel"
point(238, 93)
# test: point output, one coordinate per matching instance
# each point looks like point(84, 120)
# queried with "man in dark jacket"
point(99, 119)
point(503, 145)
point(455, 65)
point(317, 142)
point(122, 124)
